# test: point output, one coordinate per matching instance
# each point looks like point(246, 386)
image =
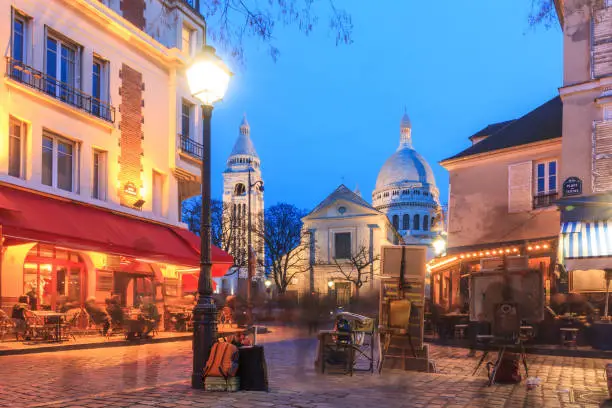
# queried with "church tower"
point(243, 163)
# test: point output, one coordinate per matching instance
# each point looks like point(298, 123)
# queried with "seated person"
point(115, 311)
point(98, 315)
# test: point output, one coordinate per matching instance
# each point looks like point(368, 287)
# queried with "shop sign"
point(572, 187)
point(130, 188)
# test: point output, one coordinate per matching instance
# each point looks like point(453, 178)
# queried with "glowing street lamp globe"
point(439, 246)
point(208, 76)
point(268, 283)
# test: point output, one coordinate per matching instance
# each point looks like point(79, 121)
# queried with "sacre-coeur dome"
point(404, 166)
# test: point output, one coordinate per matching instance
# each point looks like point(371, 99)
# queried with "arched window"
point(425, 222)
point(396, 222)
point(433, 220)
point(239, 189)
point(416, 224)
point(406, 222)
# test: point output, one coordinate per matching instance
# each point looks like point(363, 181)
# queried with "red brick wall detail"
point(133, 11)
point(131, 133)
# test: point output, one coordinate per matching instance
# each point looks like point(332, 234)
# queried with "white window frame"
point(17, 15)
point(63, 42)
point(190, 130)
point(546, 164)
point(54, 160)
point(102, 174)
point(607, 110)
point(104, 77)
point(189, 48)
point(23, 130)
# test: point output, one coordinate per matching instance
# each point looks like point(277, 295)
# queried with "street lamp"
point(439, 246)
point(268, 283)
point(250, 277)
point(208, 78)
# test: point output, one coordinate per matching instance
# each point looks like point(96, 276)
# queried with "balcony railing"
point(194, 4)
point(545, 200)
point(191, 147)
point(25, 74)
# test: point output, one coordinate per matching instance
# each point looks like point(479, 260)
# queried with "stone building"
point(99, 143)
point(406, 192)
point(241, 178)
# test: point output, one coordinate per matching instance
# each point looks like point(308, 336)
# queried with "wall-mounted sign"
point(130, 188)
point(572, 186)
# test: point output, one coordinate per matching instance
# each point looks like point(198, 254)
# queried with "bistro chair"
point(7, 325)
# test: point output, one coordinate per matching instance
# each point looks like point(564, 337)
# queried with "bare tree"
point(356, 269)
point(286, 245)
point(230, 22)
point(545, 12)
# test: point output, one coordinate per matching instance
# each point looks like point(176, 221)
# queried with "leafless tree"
point(356, 269)
point(286, 245)
point(230, 22)
point(544, 12)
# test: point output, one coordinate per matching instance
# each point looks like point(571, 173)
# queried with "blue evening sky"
point(323, 114)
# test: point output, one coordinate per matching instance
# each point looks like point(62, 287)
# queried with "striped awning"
point(571, 227)
point(587, 239)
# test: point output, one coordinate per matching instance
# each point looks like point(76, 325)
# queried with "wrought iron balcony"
point(545, 200)
point(191, 147)
point(25, 74)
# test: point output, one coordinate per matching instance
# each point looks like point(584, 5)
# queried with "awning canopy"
point(31, 216)
point(587, 239)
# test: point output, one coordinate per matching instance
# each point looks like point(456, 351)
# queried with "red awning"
point(36, 217)
point(190, 282)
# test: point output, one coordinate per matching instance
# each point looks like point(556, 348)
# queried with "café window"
point(546, 177)
point(56, 279)
point(59, 158)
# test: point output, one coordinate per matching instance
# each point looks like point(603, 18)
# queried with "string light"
point(514, 250)
point(488, 252)
point(537, 247)
point(545, 246)
point(529, 248)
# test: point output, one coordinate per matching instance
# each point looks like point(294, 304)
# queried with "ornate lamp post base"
point(204, 335)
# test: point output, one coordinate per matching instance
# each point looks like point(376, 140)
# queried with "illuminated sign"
point(130, 188)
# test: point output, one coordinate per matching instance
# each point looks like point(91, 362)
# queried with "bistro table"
point(449, 321)
point(58, 317)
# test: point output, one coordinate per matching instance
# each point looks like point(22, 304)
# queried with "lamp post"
point(249, 249)
point(208, 78)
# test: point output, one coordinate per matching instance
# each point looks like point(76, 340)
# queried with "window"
point(546, 178)
point(98, 189)
point(425, 222)
point(187, 40)
point(607, 111)
point(406, 222)
point(158, 193)
point(416, 224)
point(99, 86)
point(433, 221)
point(240, 189)
point(62, 64)
point(18, 49)
point(342, 245)
point(16, 149)
point(396, 222)
point(58, 162)
point(185, 119)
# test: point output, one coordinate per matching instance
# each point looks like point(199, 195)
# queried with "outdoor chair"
point(7, 326)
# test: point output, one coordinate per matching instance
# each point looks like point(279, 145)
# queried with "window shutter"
point(602, 157)
point(602, 43)
point(519, 187)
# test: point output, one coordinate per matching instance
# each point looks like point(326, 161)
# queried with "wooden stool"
point(569, 337)
point(460, 330)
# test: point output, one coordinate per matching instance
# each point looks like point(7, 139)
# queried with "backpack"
point(222, 361)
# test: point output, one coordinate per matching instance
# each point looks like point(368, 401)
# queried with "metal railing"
point(194, 4)
point(27, 75)
point(191, 147)
point(545, 200)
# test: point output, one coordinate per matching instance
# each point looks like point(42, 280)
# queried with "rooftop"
point(542, 123)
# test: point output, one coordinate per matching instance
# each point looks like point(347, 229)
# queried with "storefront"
point(450, 274)
point(59, 253)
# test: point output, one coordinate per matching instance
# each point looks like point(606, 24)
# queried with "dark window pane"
point(552, 168)
point(47, 161)
point(541, 185)
point(416, 223)
point(552, 183)
point(406, 222)
point(425, 222)
point(64, 166)
point(51, 65)
point(15, 149)
point(18, 40)
point(342, 245)
point(396, 222)
point(541, 169)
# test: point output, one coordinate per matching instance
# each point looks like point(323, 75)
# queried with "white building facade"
point(96, 113)
point(406, 192)
point(241, 178)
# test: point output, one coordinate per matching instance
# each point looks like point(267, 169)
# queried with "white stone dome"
point(405, 166)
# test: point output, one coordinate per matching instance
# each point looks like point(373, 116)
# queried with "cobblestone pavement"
point(156, 376)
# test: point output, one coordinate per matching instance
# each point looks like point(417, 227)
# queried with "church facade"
point(241, 178)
